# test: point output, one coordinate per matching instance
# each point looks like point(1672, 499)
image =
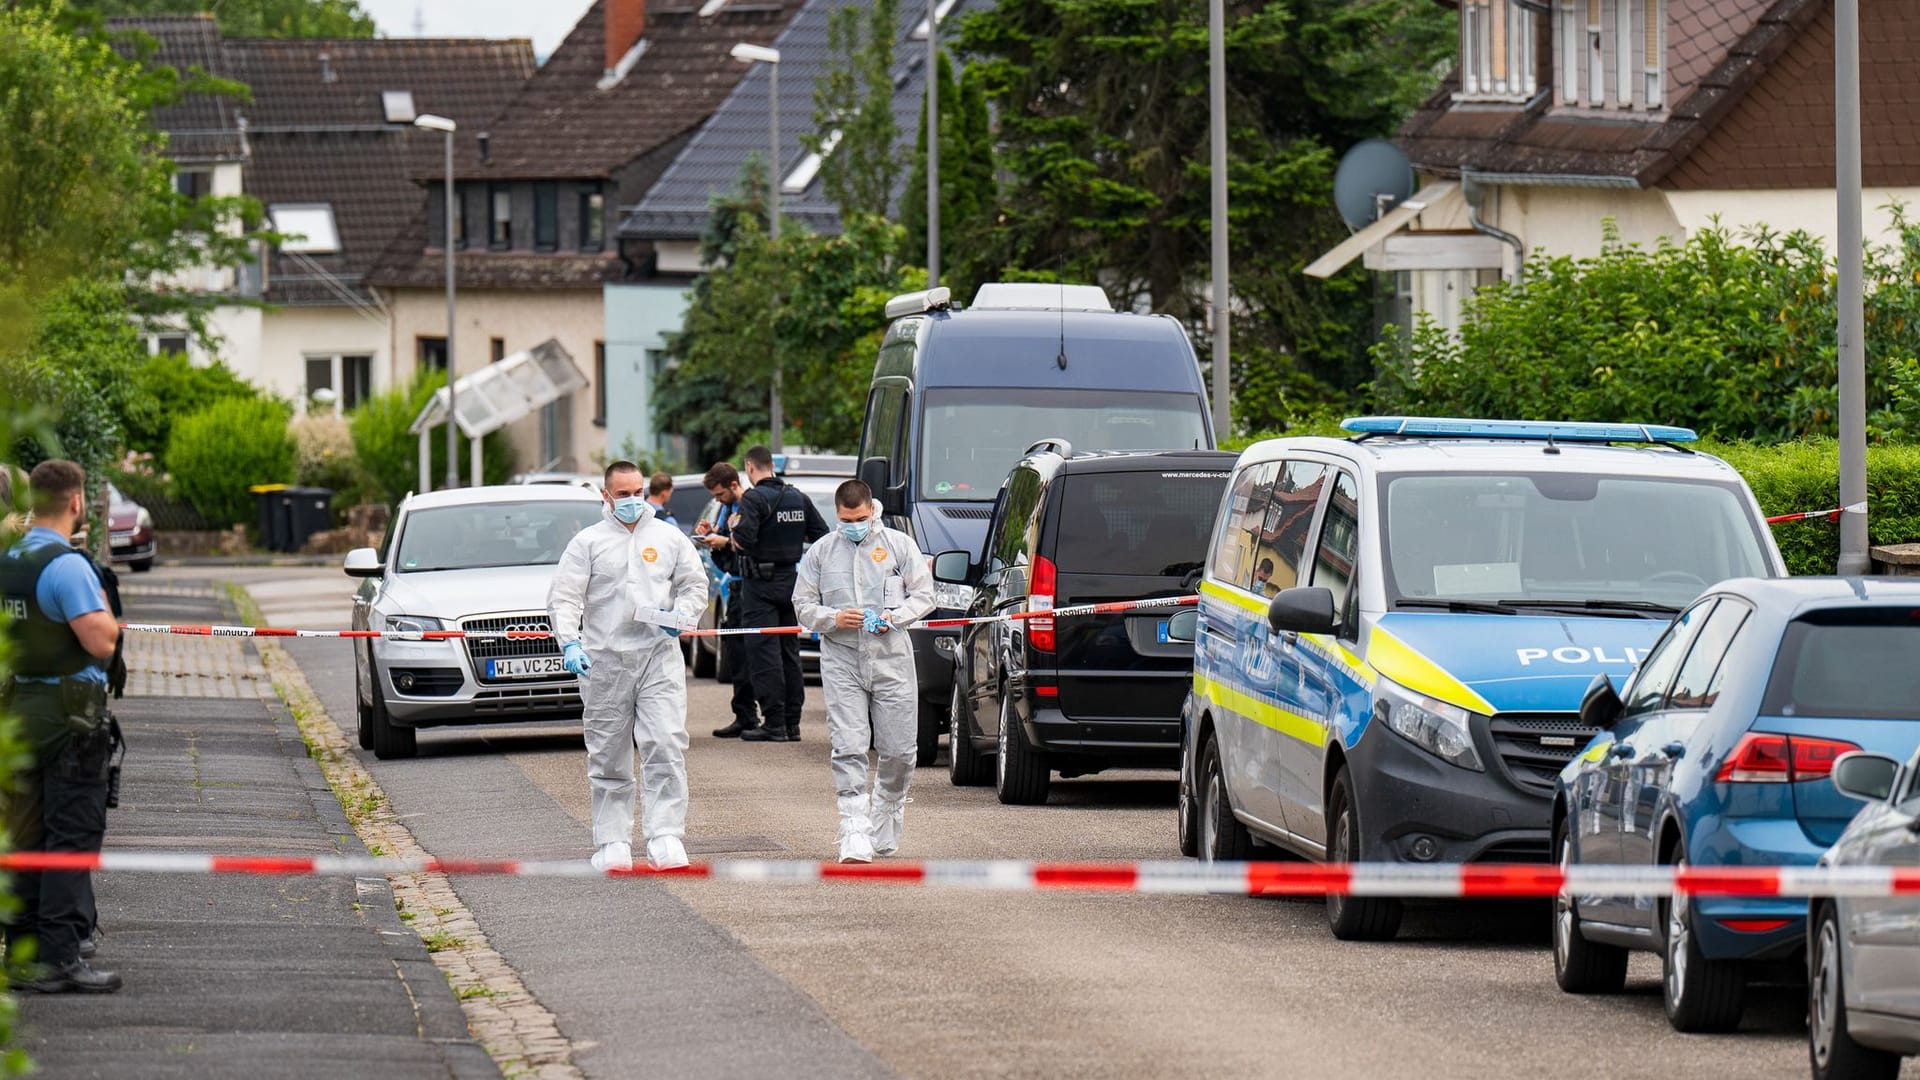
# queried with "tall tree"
point(254, 18)
point(967, 186)
point(854, 129)
point(1103, 115)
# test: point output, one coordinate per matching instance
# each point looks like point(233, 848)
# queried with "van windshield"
point(971, 438)
point(1537, 540)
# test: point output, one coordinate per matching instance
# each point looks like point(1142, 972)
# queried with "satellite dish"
point(1374, 169)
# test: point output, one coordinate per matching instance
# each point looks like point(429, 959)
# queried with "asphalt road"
point(694, 978)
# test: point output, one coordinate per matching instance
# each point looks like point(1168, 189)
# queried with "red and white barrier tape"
point(1830, 515)
point(201, 630)
point(1182, 877)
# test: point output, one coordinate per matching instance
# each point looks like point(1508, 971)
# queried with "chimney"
point(626, 22)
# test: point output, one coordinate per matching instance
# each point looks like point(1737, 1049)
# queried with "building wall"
point(639, 320)
point(521, 320)
point(289, 335)
point(1814, 210)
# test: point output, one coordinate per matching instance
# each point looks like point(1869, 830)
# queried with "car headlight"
point(142, 519)
point(1440, 729)
point(952, 597)
point(412, 624)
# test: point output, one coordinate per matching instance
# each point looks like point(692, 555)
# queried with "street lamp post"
point(933, 143)
point(760, 54)
point(446, 127)
point(1855, 557)
point(1222, 306)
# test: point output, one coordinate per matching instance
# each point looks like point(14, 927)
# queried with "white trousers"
point(637, 703)
point(872, 704)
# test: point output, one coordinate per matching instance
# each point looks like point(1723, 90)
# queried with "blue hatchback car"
point(1719, 752)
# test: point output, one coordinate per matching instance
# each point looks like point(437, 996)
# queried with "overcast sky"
point(545, 21)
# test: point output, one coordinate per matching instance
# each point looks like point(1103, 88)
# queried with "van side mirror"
point(1600, 706)
point(877, 474)
point(1303, 611)
point(953, 568)
point(1184, 626)
point(364, 562)
point(1867, 777)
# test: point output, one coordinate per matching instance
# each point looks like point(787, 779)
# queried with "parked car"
point(130, 532)
point(958, 396)
point(1863, 963)
point(575, 479)
point(1032, 698)
point(478, 558)
point(1719, 752)
point(1395, 631)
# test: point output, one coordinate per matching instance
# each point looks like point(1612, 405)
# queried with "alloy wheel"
point(1679, 943)
point(1563, 908)
point(1826, 992)
point(1210, 818)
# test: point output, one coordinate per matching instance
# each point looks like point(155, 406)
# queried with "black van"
point(1079, 694)
point(959, 395)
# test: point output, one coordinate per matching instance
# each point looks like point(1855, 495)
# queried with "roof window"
point(308, 228)
point(398, 105)
point(804, 174)
point(939, 15)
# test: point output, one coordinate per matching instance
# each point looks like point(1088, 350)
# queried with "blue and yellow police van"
point(1395, 630)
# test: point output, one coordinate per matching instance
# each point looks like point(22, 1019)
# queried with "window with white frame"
point(1496, 51)
point(348, 375)
point(1611, 53)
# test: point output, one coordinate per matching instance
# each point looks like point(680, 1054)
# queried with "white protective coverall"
point(635, 695)
point(872, 692)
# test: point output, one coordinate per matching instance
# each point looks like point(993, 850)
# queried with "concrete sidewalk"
point(239, 976)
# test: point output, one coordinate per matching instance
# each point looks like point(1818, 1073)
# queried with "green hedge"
point(218, 452)
point(1799, 476)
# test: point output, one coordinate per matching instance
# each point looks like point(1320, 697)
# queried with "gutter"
point(1474, 190)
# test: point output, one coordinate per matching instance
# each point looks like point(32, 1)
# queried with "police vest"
point(783, 532)
point(43, 647)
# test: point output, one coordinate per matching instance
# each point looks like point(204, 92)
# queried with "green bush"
point(1801, 476)
point(215, 454)
point(178, 388)
point(390, 454)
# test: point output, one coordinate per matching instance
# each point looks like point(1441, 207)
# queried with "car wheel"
point(1222, 838)
point(1830, 1045)
point(1187, 808)
point(1021, 775)
point(364, 714)
point(141, 566)
point(388, 740)
point(927, 738)
point(966, 765)
point(704, 656)
point(1701, 995)
point(1354, 918)
point(1580, 966)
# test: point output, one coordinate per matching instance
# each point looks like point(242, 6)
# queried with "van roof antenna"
point(1062, 358)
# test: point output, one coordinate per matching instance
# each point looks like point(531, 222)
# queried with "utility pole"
point(446, 127)
point(748, 53)
point(1849, 243)
point(933, 144)
point(1222, 292)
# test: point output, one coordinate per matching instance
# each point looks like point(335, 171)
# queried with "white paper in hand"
point(663, 617)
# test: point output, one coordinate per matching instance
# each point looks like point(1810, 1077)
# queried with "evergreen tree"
point(967, 188)
point(853, 110)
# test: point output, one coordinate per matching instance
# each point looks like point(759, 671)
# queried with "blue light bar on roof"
point(1434, 427)
point(779, 464)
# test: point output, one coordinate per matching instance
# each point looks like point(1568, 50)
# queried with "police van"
point(1395, 631)
point(959, 395)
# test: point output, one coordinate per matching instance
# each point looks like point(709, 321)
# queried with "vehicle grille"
point(1517, 851)
point(967, 513)
point(529, 699)
point(1534, 747)
point(483, 649)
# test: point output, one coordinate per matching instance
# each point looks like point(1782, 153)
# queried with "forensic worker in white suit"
point(859, 587)
point(621, 587)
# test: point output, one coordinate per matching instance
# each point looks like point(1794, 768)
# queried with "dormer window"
point(1611, 53)
point(1496, 51)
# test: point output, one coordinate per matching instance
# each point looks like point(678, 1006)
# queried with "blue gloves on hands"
point(575, 659)
point(874, 623)
point(670, 631)
point(726, 586)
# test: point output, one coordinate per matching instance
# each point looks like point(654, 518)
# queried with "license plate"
point(526, 667)
point(1160, 632)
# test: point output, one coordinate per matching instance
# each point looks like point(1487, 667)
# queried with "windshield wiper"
point(1478, 607)
point(1643, 608)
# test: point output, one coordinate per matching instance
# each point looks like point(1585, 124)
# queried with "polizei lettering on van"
point(1574, 654)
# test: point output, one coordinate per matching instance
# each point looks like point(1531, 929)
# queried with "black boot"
point(90, 944)
point(764, 734)
point(736, 730)
point(76, 977)
point(793, 732)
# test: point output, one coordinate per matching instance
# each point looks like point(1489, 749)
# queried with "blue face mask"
point(856, 531)
point(631, 509)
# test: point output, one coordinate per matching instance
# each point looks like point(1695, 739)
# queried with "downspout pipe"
point(1475, 194)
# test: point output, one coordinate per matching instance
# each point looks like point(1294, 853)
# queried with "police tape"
point(1480, 881)
point(1830, 515)
point(206, 630)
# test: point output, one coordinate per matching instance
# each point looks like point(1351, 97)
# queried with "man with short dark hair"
point(723, 483)
point(659, 492)
point(859, 588)
point(62, 635)
point(776, 524)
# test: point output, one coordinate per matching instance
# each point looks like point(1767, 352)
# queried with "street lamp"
point(430, 122)
point(1222, 292)
point(759, 54)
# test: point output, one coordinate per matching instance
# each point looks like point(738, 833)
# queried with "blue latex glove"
point(873, 623)
point(575, 659)
point(726, 587)
point(670, 631)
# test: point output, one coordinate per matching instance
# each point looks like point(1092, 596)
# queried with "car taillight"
point(1755, 926)
point(1762, 758)
point(1040, 598)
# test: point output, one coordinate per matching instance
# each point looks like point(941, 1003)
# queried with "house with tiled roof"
point(1659, 116)
point(325, 142)
point(535, 192)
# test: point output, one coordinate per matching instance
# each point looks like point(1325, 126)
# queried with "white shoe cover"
point(614, 856)
point(888, 823)
point(855, 848)
point(666, 853)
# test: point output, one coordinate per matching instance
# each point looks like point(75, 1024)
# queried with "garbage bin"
point(306, 510)
point(271, 521)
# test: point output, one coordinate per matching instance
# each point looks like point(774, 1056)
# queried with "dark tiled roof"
point(561, 125)
point(317, 140)
point(1737, 44)
point(676, 207)
point(202, 127)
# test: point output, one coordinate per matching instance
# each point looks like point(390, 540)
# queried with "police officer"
point(62, 635)
point(723, 483)
point(776, 524)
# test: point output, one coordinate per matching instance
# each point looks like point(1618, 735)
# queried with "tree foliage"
point(216, 454)
point(389, 454)
point(255, 18)
point(177, 387)
point(853, 122)
point(1734, 335)
point(967, 186)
